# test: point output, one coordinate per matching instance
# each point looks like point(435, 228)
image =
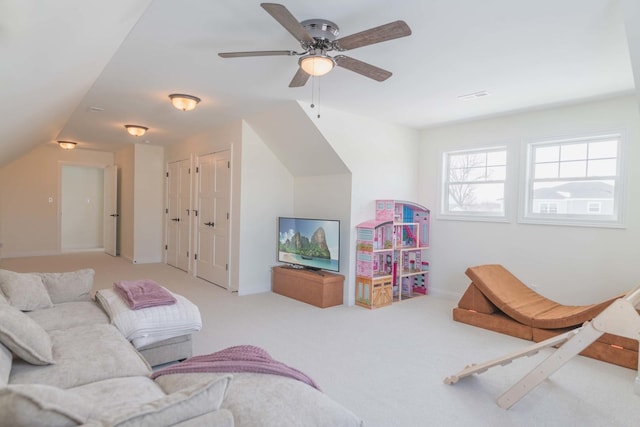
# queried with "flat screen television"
point(309, 243)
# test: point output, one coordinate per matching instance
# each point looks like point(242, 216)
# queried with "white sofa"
point(63, 364)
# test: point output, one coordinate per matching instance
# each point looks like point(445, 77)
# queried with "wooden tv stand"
point(319, 288)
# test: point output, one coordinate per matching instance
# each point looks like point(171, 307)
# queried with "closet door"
point(178, 221)
point(212, 229)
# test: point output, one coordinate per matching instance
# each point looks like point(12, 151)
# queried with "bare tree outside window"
point(474, 182)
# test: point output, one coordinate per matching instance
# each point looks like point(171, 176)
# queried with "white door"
point(178, 214)
point(212, 255)
point(110, 217)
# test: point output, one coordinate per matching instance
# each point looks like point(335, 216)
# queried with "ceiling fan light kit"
point(317, 37)
point(316, 65)
point(136, 130)
point(67, 145)
point(184, 102)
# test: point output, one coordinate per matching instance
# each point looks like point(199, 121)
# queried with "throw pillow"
point(32, 405)
point(70, 286)
point(25, 291)
point(176, 407)
point(24, 336)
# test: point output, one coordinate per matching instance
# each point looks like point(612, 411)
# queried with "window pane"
point(497, 173)
point(574, 197)
point(476, 174)
point(606, 167)
point(477, 159)
point(604, 149)
point(476, 198)
point(458, 175)
point(573, 152)
point(547, 153)
point(546, 170)
point(573, 169)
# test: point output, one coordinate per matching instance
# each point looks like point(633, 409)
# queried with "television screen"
point(309, 243)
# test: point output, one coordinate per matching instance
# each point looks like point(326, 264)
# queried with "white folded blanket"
point(152, 324)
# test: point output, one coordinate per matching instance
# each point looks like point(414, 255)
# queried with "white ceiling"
point(126, 56)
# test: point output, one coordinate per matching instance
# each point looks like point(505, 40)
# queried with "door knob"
point(210, 224)
point(176, 219)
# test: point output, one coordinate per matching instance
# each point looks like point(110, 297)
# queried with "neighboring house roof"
point(576, 190)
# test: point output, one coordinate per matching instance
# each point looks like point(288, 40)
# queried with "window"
point(474, 183)
point(574, 181)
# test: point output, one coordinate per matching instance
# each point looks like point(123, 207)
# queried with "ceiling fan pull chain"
point(313, 85)
point(318, 98)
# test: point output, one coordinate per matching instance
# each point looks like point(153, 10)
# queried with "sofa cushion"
point(112, 394)
point(69, 286)
point(83, 354)
point(25, 291)
point(69, 315)
point(264, 400)
point(6, 360)
point(24, 336)
point(33, 405)
point(195, 400)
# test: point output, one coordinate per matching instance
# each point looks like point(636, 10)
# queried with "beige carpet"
point(386, 365)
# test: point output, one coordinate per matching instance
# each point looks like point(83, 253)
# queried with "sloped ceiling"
point(53, 52)
point(81, 69)
point(296, 141)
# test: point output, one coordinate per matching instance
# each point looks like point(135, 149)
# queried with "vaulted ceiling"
point(82, 69)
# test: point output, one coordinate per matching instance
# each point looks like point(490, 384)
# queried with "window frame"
point(527, 180)
point(443, 186)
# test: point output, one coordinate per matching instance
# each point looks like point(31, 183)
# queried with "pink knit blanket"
point(241, 358)
point(143, 293)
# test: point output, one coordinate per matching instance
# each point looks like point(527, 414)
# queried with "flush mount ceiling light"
point(136, 130)
point(67, 145)
point(316, 64)
point(184, 102)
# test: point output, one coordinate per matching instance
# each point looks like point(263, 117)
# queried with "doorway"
point(88, 208)
point(81, 208)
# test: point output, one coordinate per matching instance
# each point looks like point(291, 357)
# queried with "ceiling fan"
point(317, 37)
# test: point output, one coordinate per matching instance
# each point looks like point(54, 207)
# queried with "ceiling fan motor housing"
point(323, 31)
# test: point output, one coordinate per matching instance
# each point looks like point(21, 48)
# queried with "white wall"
point(266, 192)
point(573, 265)
point(30, 224)
point(328, 197)
point(383, 160)
point(148, 203)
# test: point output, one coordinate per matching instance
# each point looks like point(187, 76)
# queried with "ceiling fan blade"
point(363, 68)
point(300, 79)
point(288, 21)
point(257, 53)
point(390, 31)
